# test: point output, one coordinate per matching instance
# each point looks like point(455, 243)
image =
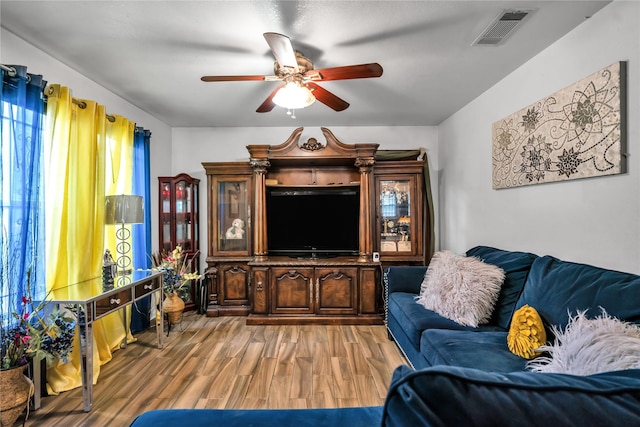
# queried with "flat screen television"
point(313, 222)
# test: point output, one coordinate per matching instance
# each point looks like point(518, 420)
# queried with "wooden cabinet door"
point(292, 290)
point(259, 291)
point(233, 284)
point(369, 295)
point(336, 290)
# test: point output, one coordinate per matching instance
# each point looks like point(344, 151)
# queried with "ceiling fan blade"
point(328, 98)
point(268, 103)
point(347, 72)
point(231, 78)
point(282, 50)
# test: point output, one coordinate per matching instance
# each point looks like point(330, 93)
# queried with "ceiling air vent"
point(501, 27)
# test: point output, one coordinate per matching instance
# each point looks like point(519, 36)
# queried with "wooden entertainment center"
point(246, 277)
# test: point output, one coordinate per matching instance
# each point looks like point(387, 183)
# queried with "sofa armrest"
point(406, 278)
point(449, 395)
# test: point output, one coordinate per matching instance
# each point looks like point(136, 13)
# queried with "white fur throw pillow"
point(591, 346)
point(463, 289)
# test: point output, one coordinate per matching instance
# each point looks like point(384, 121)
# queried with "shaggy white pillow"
point(591, 346)
point(463, 289)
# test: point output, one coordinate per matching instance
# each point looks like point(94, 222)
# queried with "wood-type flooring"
point(220, 362)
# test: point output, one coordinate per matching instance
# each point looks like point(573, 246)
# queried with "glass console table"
point(92, 301)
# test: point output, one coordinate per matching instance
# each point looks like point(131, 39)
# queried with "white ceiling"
point(153, 53)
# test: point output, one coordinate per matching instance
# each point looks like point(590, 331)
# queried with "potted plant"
point(175, 283)
point(31, 332)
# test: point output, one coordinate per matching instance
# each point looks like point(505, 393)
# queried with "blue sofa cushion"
point(555, 288)
point(415, 318)
point(516, 266)
point(481, 350)
point(407, 319)
point(454, 396)
point(365, 416)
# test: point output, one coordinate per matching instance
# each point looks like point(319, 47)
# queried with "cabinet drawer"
point(113, 302)
point(145, 288)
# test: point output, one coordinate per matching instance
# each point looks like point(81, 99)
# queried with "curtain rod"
point(12, 72)
point(83, 105)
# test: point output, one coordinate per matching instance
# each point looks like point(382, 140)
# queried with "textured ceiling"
point(153, 53)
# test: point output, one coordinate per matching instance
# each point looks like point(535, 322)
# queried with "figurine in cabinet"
point(236, 231)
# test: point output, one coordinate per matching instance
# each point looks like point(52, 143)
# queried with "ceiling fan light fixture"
point(294, 96)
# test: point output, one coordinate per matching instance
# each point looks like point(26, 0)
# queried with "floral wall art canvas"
point(577, 132)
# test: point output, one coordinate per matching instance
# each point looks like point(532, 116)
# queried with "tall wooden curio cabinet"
point(179, 219)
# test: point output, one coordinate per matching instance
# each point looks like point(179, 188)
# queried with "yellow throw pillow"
point(526, 333)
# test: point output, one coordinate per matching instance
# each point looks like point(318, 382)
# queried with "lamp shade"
point(124, 209)
point(294, 96)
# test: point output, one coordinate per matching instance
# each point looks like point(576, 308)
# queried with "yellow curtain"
point(75, 162)
point(119, 180)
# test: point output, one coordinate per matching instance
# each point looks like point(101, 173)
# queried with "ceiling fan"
point(300, 88)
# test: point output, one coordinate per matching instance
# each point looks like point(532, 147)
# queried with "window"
point(21, 191)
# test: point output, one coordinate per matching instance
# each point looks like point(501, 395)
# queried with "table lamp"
point(124, 209)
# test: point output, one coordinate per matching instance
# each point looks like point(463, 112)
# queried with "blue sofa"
point(466, 376)
point(555, 288)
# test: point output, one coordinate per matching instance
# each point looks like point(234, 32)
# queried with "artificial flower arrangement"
point(30, 333)
point(177, 268)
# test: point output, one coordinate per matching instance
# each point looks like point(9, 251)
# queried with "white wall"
point(595, 220)
point(193, 146)
point(14, 50)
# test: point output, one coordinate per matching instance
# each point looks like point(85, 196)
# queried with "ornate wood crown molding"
point(333, 151)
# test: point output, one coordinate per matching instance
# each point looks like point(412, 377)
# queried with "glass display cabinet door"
point(165, 216)
point(184, 193)
point(179, 213)
point(395, 226)
point(232, 219)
